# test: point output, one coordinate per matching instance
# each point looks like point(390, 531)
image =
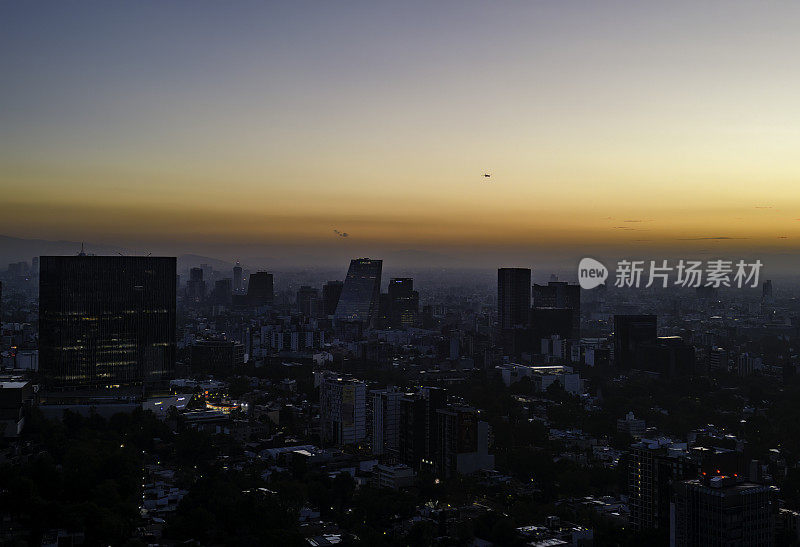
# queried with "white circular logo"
point(591, 273)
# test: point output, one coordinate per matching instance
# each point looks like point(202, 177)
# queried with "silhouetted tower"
point(331, 292)
point(222, 291)
point(260, 291)
point(766, 291)
point(513, 297)
point(196, 287)
point(403, 303)
point(237, 278)
point(630, 332)
point(308, 301)
point(560, 294)
point(361, 290)
point(106, 320)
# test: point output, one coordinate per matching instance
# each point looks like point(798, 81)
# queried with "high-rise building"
point(513, 297)
point(308, 301)
point(668, 356)
point(238, 279)
point(342, 408)
point(208, 272)
point(654, 466)
point(560, 294)
point(630, 331)
point(403, 303)
point(381, 319)
point(419, 432)
point(513, 307)
point(260, 290)
point(222, 291)
point(766, 291)
point(547, 322)
point(106, 320)
point(462, 442)
point(385, 421)
point(722, 510)
point(718, 359)
point(331, 292)
point(360, 292)
point(196, 286)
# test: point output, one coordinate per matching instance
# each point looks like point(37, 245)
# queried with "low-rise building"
point(392, 476)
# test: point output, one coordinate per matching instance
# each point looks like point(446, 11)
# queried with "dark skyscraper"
point(418, 433)
point(308, 301)
point(546, 322)
point(560, 294)
point(669, 356)
point(766, 291)
point(723, 511)
point(106, 320)
point(196, 287)
point(652, 470)
point(361, 290)
point(260, 291)
point(630, 332)
point(331, 292)
point(513, 297)
point(238, 280)
point(403, 303)
point(222, 291)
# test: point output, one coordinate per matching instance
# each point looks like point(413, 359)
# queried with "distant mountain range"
point(16, 249)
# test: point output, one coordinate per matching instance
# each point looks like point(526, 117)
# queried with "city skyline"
point(668, 128)
point(399, 273)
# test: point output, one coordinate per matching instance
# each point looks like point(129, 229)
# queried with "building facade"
point(385, 421)
point(721, 511)
point(513, 297)
point(106, 320)
point(360, 292)
point(560, 294)
point(260, 291)
point(342, 411)
point(631, 331)
point(403, 303)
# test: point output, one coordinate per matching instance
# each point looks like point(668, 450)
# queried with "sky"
point(263, 127)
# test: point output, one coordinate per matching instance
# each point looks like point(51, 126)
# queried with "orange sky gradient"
point(671, 127)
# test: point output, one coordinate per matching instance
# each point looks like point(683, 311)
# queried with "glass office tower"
point(106, 321)
point(361, 290)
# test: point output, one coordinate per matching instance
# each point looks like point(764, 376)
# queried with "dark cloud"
point(706, 238)
point(341, 234)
